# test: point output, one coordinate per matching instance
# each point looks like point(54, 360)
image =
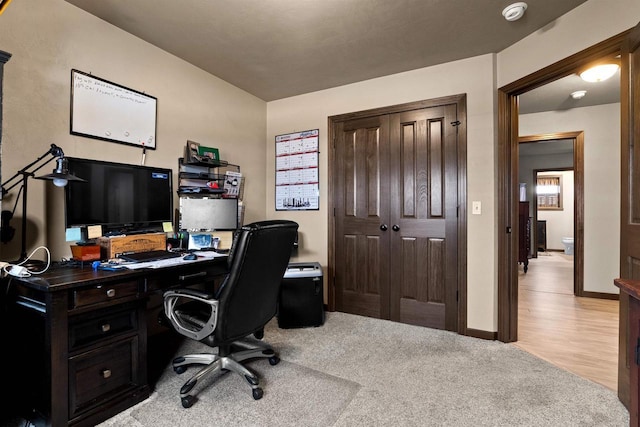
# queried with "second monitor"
point(208, 214)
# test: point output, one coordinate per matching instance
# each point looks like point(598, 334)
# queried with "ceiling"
point(275, 49)
point(556, 96)
point(545, 148)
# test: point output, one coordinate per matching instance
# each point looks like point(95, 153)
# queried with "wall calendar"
point(297, 171)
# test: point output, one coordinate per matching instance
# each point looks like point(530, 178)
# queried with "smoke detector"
point(579, 94)
point(514, 11)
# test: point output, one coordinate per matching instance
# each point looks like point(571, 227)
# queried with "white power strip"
point(16, 270)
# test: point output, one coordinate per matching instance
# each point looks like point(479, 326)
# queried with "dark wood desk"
point(629, 347)
point(79, 338)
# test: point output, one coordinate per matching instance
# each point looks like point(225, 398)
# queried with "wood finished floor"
point(574, 333)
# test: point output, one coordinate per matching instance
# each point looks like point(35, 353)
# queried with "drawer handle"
point(111, 293)
point(106, 327)
point(106, 373)
point(191, 276)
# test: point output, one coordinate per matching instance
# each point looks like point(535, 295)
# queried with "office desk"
point(79, 338)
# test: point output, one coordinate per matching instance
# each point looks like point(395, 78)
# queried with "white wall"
point(559, 222)
point(473, 76)
point(528, 163)
point(48, 38)
point(601, 126)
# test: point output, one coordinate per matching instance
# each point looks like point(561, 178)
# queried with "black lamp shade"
point(61, 175)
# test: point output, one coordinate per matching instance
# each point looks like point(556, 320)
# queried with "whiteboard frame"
point(148, 121)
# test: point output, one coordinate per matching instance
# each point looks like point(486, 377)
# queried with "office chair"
point(233, 319)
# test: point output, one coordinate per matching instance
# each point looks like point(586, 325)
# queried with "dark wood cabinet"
point(524, 234)
point(541, 234)
point(82, 338)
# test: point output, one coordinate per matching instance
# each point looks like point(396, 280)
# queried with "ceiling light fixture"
point(599, 72)
point(514, 11)
point(579, 94)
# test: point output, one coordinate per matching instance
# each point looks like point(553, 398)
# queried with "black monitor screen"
point(118, 195)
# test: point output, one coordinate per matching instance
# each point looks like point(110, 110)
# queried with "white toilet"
point(568, 245)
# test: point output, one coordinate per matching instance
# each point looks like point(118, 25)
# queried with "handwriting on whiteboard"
point(105, 110)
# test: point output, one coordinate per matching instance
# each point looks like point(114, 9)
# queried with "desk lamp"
point(60, 177)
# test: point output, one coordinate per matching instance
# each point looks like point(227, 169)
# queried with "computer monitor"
point(208, 214)
point(118, 196)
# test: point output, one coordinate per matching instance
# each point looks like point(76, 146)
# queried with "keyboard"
point(149, 256)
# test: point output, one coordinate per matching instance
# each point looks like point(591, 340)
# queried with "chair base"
point(215, 364)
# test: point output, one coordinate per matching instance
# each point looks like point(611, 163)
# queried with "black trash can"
point(301, 296)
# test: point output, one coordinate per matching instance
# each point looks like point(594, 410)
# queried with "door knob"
point(383, 227)
point(395, 227)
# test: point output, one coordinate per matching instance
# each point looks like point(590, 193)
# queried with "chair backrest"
point(248, 297)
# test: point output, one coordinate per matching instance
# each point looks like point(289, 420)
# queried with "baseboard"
point(485, 335)
point(601, 295)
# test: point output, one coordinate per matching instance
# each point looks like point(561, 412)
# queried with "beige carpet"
point(295, 394)
point(357, 371)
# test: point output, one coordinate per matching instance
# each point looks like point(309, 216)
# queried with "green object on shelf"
point(212, 153)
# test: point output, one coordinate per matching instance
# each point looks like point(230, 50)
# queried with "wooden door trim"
point(508, 172)
point(460, 101)
point(578, 199)
point(627, 372)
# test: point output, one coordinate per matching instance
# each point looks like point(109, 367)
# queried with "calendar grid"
point(297, 176)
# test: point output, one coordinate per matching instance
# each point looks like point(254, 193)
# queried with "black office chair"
point(233, 320)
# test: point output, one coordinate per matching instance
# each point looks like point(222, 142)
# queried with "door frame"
point(578, 200)
point(461, 105)
point(508, 140)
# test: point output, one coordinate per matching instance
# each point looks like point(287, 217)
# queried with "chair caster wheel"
point(257, 393)
point(180, 369)
point(188, 401)
point(274, 360)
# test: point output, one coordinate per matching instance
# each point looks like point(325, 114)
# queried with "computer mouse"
point(190, 257)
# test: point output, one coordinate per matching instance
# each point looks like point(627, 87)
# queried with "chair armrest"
point(186, 323)
point(186, 292)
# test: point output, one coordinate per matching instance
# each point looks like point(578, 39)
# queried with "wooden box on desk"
point(111, 247)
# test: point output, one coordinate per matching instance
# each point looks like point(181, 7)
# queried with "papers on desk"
point(202, 256)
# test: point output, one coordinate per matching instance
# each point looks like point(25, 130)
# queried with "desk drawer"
point(194, 274)
point(87, 329)
point(102, 374)
point(104, 292)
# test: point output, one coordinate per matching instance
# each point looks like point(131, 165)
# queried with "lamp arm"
point(54, 151)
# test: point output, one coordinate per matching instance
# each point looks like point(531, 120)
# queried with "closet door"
point(361, 216)
point(423, 217)
point(395, 195)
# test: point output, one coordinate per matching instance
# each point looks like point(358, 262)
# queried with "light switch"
point(476, 207)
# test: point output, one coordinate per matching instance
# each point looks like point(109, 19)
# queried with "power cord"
point(17, 270)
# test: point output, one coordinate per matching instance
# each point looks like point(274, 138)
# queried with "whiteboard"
point(105, 110)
